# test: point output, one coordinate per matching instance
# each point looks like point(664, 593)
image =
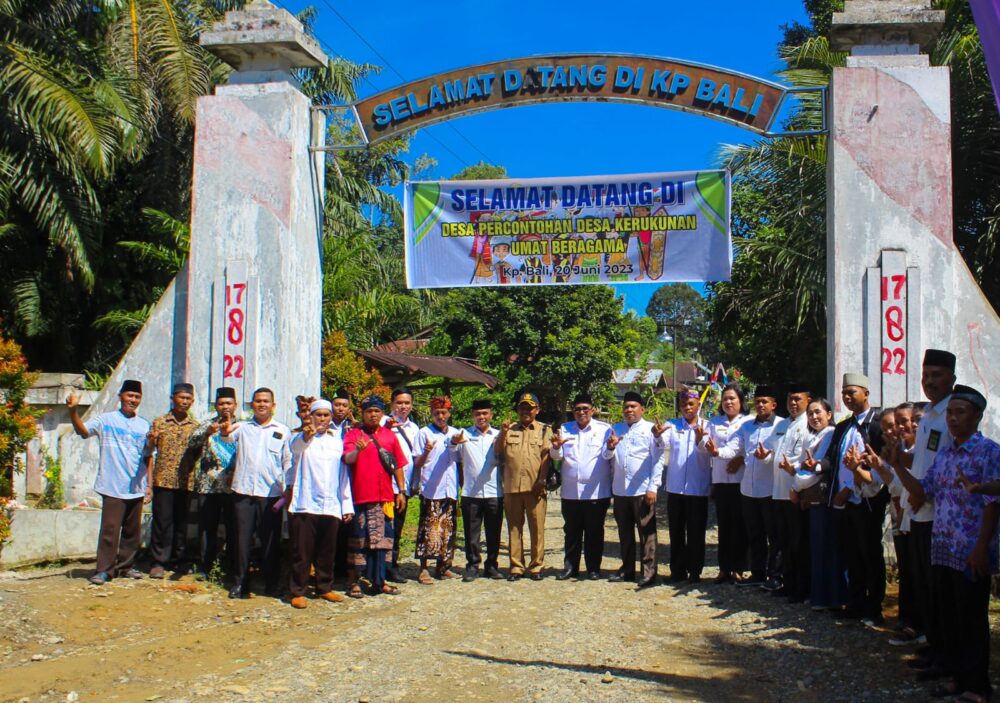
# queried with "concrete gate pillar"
point(246, 309)
point(896, 283)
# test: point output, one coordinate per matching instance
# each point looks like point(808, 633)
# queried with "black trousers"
point(865, 562)
point(908, 613)
point(687, 519)
point(777, 538)
point(476, 512)
point(121, 533)
point(922, 583)
point(632, 514)
point(254, 516)
point(758, 518)
point(168, 534)
point(583, 530)
point(962, 608)
point(314, 542)
point(732, 529)
point(797, 565)
point(216, 508)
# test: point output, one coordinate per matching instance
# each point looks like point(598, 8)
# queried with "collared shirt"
point(758, 474)
point(439, 474)
point(121, 471)
point(586, 474)
point(480, 468)
point(406, 433)
point(932, 436)
point(958, 515)
point(523, 451)
point(174, 463)
point(689, 471)
point(322, 483)
point(818, 444)
point(721, 429)
point(845, 477)
point(262, 458)
point(214, 470)
point(790, 439)
point(637, 459)
point(370, 483)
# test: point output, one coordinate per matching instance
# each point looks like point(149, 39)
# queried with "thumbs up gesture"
point(613, 440)
point(459, 438)
point(810, 461)
point(786, 465)
point(760, 452)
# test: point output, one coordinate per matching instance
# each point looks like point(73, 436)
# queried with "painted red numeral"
point(898, 280)
point(235, 332)
point(887, 358)
point(232, 366)
point(894, 323)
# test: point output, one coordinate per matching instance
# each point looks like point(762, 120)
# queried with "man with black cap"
point(172, 481)
point(937, 378)
point(482, 491)
point(523, 447)
point(586, 487)
point(121, 480)
point(756, 487)
point(636, 456)
point(341, 423)
point(961, 481)
point(399, 421)
point(213, 480)
point(263, 458)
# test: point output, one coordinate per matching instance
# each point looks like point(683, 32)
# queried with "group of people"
point(800, 501)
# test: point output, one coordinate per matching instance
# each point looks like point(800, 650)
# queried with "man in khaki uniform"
point(523, 448)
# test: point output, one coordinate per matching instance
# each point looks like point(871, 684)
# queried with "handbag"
point(385, 457)
point(814, 494)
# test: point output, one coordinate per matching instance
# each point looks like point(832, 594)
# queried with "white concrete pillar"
point(896, 282)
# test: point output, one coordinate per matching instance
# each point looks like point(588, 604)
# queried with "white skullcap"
point(320, 405)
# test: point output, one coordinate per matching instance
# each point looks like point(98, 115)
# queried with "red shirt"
point(369, 481)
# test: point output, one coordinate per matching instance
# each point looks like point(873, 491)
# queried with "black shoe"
point(694, 579)
point(495, 574)
point(514, 577)
point(593, 575)
point(536, 576)
point(392, 575)
point(676, 578)
point(238, 592)
point(619, 577)
point(274, 592)
point(646, 583)
point(567, 574)
point(471, 574)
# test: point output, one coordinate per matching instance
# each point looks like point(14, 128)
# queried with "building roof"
point(627, 377)
point(445, 366)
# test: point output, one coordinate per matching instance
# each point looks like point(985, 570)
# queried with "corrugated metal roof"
point(626, 377)
point(444, 366)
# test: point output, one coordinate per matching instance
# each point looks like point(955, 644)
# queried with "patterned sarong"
point(436, 534)
point(371, 531)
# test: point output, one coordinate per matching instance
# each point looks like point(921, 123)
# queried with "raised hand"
point(786, 465)
point(362, 443)
point(152, 436)
point(429, 447)
point(558, 439)
point(459, 437)
point(72, 400)
point(699, 432)
point(613, 440)
point(225, 425)
point(965, 484)
point(308, 428)
point(760, 452)
point(810, 461)
point(711, 448)
point(871, 457)
point(505, 426)
point(852, 459)
point(391, 423)
point(658, 428)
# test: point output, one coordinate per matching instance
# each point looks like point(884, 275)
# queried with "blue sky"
point(421, 39)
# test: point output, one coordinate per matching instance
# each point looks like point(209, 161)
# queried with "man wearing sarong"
point(439, 481)
point(378, 491)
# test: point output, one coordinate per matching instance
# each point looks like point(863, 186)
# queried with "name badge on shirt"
point(933, 440)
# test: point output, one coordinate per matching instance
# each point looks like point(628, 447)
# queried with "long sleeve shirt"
point(852, 439)
point(818, 444)
point(439, 474)
point(758, 474)
point(480, 468)
point(790, 439)
point(262, 458)
point(637, 459)
point(932, 436)
point(586, 473)
point(689, 469)
point(320, 480)
point(721, 429)
point(406, 435)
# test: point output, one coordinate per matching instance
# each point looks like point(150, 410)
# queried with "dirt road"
point(64, 640)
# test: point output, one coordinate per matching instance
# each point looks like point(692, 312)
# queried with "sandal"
point(424, 578)
point(389, 590)
point(447, 574)
point(354, 591)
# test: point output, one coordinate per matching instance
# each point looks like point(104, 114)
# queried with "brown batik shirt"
point(174, 463)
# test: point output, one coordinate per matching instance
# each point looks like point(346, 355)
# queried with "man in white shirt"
point(438, 489)
point(405, 430)
point(482, 491)
point(318, 490)
point(586, 487)
point(262, 461)
point(121, 480)
point(636, 457)
point(689, 481)
point(757, 485)
point(789, 442)
point(937, 379)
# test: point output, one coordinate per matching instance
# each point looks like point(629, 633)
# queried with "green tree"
point(680, 311)
point(17, 418)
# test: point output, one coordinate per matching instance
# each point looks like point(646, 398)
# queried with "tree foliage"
point(17, 419)
point(343, 369)
point(680, 311)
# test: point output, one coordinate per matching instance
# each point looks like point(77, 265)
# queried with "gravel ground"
point(64, 640)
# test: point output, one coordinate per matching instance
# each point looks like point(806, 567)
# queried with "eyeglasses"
point(583, 409)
